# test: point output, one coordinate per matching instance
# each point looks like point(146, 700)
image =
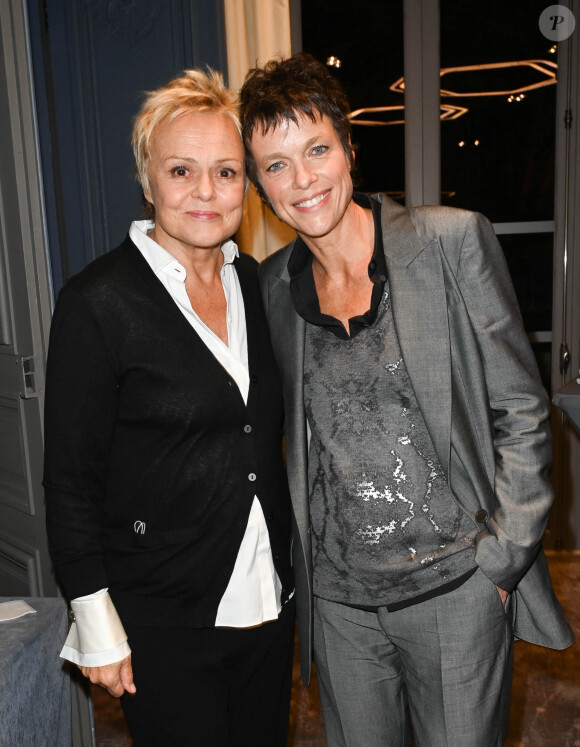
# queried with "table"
point(35, 701)
point(567, 398)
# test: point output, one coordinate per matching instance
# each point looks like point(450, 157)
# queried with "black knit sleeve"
point(80, 413)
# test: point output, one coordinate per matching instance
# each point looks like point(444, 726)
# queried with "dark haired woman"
point(417, 436)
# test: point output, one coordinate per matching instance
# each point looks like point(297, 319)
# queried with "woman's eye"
point(180, 171)
point(318, 150)
point(226, 173)
point(274, 167)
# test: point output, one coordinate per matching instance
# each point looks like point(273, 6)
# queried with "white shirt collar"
point(159, 259)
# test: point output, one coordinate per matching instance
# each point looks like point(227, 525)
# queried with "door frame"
point(564, 527)
point(26, 294)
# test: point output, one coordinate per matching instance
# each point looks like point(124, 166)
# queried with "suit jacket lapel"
point(419, 305)
point(288, 338)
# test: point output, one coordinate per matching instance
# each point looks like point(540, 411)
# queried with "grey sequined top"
point(385, 527)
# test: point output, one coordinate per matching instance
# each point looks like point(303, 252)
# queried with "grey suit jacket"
point(476, 382)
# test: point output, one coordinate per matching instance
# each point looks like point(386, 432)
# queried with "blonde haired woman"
point(168, 508)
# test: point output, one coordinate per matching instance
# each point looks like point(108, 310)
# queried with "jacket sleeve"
point(519, 410)
point(80, 414)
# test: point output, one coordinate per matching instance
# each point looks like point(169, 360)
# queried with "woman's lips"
point(203, 214)
point(311, 202)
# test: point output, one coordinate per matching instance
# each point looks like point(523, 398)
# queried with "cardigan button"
point(481, 516)
point(247, 429)
point(251, 477)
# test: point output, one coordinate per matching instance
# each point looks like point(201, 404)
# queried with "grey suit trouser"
point(439, 670)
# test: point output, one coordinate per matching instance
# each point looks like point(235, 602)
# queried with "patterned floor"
point(545, 700)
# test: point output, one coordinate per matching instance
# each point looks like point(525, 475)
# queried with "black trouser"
point(219, 687)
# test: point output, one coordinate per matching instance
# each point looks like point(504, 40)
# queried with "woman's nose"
point(204, 187)
point(304, 176)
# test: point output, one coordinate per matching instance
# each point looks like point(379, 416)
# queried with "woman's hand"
point(503, 594)
point(116, 678)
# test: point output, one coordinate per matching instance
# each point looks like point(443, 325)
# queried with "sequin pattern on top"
point(385, 527)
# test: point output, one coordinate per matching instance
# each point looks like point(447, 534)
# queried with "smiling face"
point(196, 181)
point(305, 173)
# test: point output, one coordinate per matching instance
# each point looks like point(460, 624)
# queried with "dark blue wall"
point(93, 59)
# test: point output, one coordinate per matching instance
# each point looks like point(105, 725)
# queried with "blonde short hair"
point(194, 91)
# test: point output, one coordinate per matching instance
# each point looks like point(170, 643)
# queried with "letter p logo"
point(557, 22)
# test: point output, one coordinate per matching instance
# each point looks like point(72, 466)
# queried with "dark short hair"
point(283, 90)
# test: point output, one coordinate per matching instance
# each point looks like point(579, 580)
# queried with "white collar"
point(159, 259)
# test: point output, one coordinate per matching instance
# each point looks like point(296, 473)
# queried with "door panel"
point(14, 482)
point(19, 570)
point(25, 315)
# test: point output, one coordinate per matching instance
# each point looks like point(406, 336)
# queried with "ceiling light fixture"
point(448, 111)
point(546, 68)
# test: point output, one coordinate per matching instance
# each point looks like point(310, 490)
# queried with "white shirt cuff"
point(96, 637)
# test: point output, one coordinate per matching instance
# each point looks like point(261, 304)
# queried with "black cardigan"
point(152, 459)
